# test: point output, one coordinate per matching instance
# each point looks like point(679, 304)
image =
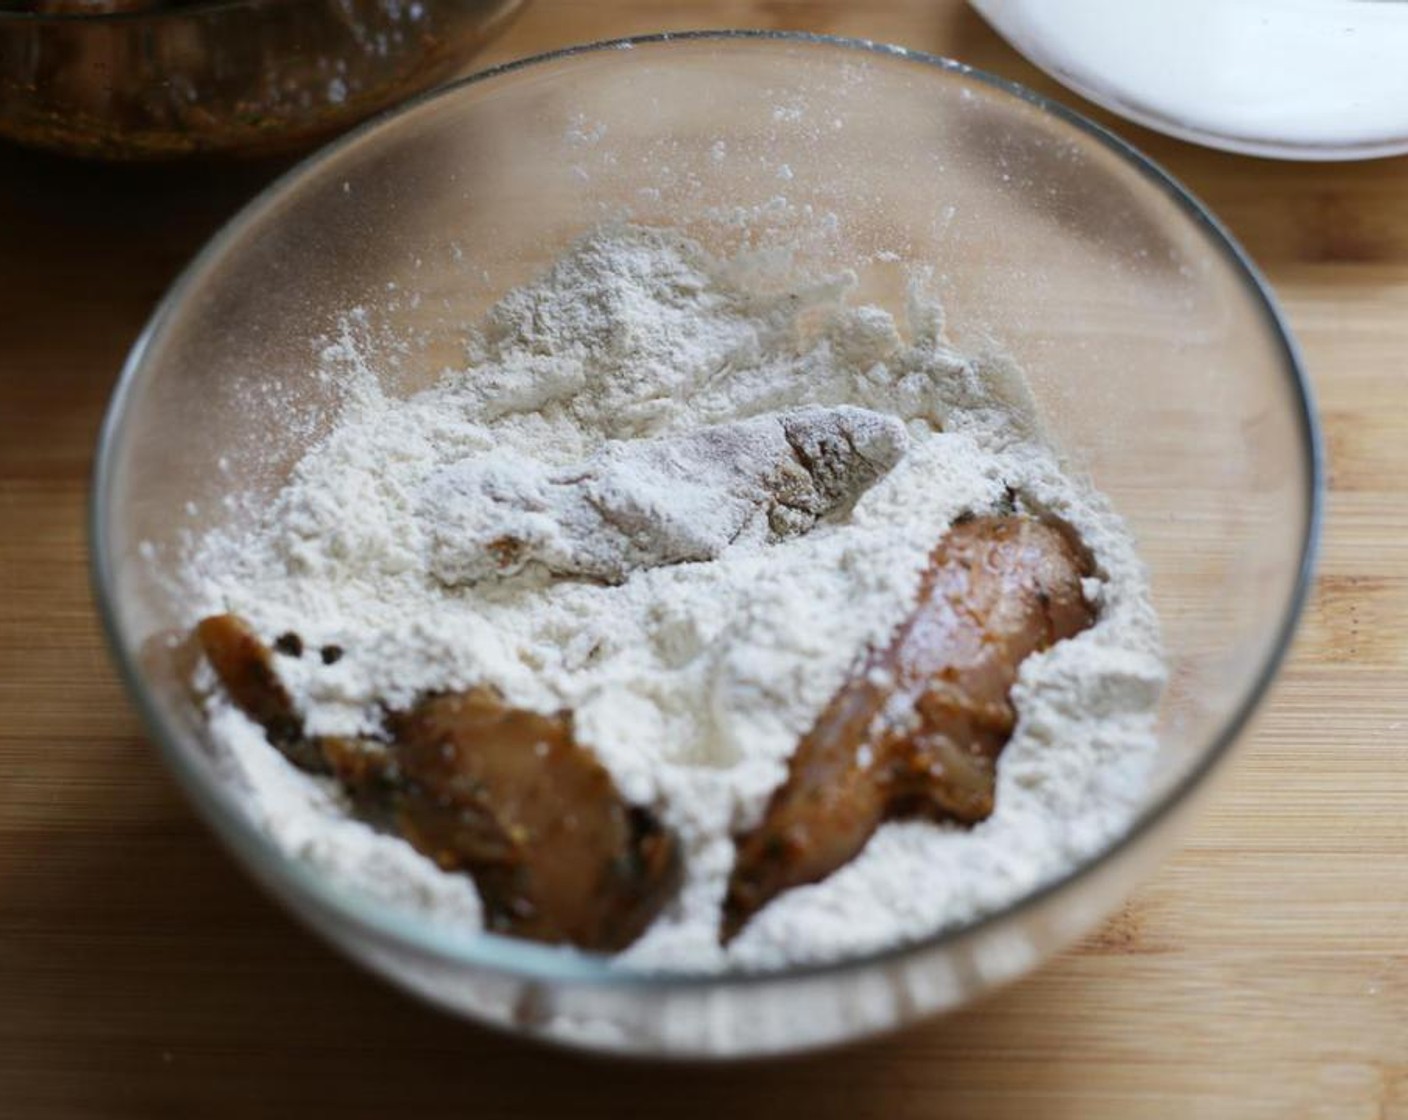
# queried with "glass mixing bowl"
point(158, 79)
point(1153, 348)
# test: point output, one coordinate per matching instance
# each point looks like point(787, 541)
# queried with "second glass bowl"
point(157, 79)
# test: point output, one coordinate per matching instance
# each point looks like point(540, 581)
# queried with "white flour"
point(692, 681)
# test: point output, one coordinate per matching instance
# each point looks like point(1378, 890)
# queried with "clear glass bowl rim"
point(535, 962)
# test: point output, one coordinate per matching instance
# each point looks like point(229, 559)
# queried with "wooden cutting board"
point(1262, 973)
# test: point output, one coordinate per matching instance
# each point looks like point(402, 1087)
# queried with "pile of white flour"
point(693, 681)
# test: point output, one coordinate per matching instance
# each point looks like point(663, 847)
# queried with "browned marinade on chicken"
point(505, 795)
point(917, 730)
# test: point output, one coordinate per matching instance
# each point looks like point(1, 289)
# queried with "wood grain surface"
point(1262, 973)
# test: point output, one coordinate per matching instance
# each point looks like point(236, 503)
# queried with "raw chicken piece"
point(504, 794)
point(645, 503)
point(917, 731)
